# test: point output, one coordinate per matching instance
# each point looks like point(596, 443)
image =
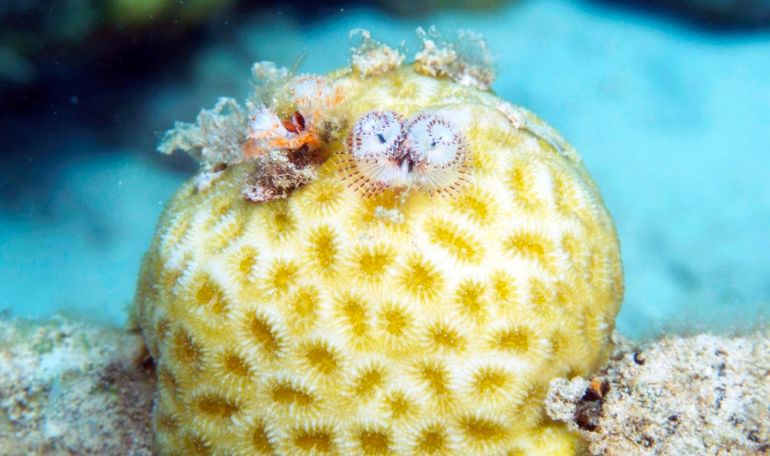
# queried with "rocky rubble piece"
point(704, 395)
point(67, 388)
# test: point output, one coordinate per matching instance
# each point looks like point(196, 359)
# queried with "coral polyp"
point(317, 297)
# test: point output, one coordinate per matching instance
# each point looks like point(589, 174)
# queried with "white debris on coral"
point(265, 72)
point(370, 57)
point(215, 139)
point(515, 115)
point(704, 395)
point(313, 95)
point(522, 119)
point(67, 388)
point(392, 215)
point(267, 79)
point(465, 59)
point(204, 179)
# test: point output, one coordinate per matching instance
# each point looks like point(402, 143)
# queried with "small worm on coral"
point(310, 98)
point(374, 145)
point(427, 152)
point(312, 93)
point(267, 131)
point(288, 148)
point(437, 151)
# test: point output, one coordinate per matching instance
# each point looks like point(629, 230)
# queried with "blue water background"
point(673, 123)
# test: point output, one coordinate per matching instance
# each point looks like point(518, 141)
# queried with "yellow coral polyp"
point(332, 322)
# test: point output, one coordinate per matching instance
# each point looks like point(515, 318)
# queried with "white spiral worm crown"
point(427, 151)
point(374, 145)
point(437, 150)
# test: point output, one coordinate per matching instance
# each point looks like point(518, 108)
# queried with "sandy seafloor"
point(671, 120)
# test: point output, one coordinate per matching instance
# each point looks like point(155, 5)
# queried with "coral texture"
point(705, 395)
point(338, 321)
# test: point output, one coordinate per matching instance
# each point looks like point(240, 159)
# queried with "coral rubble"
point(68, 388)
point(704, 395)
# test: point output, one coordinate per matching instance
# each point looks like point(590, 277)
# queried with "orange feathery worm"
point(251, 149)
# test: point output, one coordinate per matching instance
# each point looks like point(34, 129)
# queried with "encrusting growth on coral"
point(370, 57)
point(281, 130)
point(215, 140)
point(390, 263)
point(277, 173)
point(464, 59)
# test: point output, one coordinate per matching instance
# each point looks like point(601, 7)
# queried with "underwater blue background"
point(673, 122)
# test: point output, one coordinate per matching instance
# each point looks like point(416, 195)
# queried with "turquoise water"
point(671, 121)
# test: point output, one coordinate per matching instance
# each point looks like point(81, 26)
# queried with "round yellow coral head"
point(395, 321)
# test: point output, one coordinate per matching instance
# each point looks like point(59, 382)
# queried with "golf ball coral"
point(413, 267)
